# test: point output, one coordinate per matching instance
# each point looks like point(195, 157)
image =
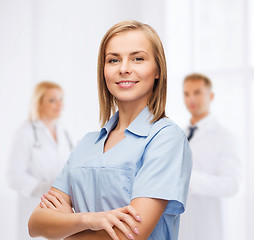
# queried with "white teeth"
point(126, 83)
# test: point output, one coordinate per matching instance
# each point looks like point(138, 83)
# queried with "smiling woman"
point(130, 69)
point(130, 179)
point(157, 101)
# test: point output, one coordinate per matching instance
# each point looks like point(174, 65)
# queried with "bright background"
point(58, 40)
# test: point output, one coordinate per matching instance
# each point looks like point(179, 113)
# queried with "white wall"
point(15, 88)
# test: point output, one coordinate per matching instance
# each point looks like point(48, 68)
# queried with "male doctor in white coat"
point(216, 166)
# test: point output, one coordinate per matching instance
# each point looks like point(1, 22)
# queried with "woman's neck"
point(50, 125)
point(127, 113)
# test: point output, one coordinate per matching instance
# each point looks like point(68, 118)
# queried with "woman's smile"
point(126, 84)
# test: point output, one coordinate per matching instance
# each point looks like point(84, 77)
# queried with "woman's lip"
point(126, 81)
point(126, 84)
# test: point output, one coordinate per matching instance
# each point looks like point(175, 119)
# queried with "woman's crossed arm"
point(54, 219)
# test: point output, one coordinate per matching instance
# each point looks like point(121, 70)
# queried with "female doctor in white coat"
point(39, 150)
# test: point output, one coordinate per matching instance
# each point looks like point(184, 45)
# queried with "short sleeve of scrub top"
point(163, 171)
point(153, 160)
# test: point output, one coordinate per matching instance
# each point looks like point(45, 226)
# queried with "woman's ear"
point(212, 96)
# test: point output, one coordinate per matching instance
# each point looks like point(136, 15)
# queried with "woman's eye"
point(138, 59)
point(52, 100)
point(112, 60)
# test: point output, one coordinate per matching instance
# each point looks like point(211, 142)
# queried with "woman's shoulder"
point(167, 126)
point(24, 127)
point(90, 136)
point(87, 140)
point(22, 133)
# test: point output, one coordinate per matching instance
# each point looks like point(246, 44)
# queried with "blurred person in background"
point(39, 151)
point(216, 165)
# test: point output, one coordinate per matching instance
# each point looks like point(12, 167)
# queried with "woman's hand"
point(115, 218)
point(96, 221)
point(55, 201)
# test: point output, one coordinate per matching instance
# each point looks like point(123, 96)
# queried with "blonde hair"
point(37, 96)
point(157, 100)
point(198, 77)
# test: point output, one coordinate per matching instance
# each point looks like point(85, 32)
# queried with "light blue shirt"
point(153, 160)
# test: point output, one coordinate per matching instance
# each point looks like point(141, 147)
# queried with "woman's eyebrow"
point(132, 53)
point(114, 54)
point(139, 51)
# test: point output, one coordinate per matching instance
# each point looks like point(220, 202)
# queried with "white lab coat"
point(215, 175)
point(31, 170)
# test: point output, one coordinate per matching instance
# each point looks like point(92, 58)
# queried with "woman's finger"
point(129, 221)
point(132, 211)
point(123, 228)
point(111, 232)
point(47, 203)
point(52, 199)
point(42, 204)
point(60, 202)
point(58, 196)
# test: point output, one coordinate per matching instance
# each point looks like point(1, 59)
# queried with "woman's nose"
point(125, 67)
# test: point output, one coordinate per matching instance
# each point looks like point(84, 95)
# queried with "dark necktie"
point(192, 130)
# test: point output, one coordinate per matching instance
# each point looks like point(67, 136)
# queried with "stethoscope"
point(37, 143)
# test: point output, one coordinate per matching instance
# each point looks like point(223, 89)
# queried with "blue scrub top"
point(153, 160)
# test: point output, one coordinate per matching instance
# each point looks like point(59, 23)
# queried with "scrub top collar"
point(139, 126)
point(108, 126)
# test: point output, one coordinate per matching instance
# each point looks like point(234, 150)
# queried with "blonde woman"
point(39, 150)
point(130, 179)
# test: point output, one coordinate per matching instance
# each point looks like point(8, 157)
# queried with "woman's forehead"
point(129, 41)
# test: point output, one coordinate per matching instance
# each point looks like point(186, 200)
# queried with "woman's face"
point(130, 69)
point(52, 104)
